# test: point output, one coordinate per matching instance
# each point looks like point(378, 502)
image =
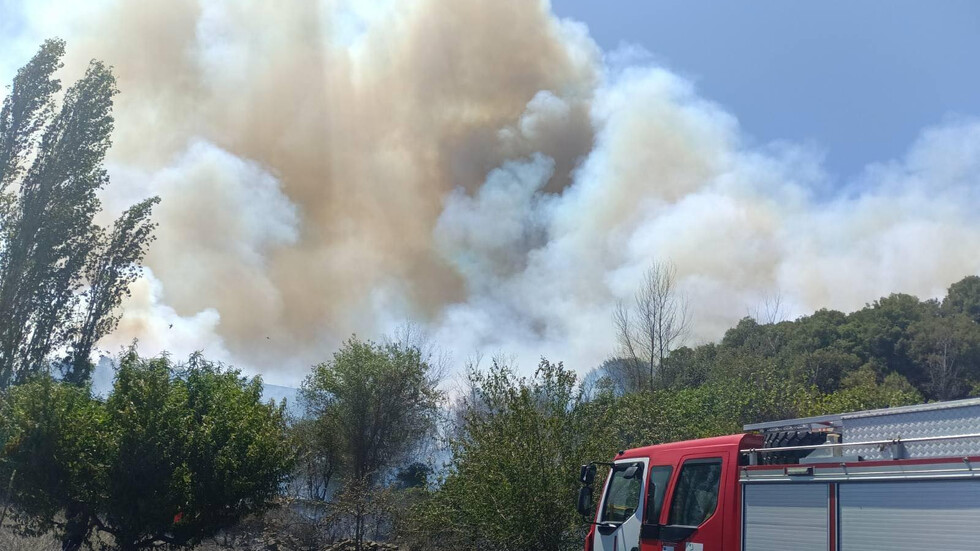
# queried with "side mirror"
point(585, 500)
point(587, 474)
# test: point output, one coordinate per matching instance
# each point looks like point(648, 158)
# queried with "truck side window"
point(696, 493)
point(659, 477)
point(623, 495)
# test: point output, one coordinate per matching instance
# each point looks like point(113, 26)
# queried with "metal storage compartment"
point(779, 517)
point(910, 515)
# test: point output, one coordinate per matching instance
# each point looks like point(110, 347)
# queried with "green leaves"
point(512, 479)
point(368, 410)
point(55, 446)
point(933, 346)
point(61, 276)
point(27, 108)
point(515, 457)
point(947, 348)
point(379, 400)
point(113, 265)
point(192, 442)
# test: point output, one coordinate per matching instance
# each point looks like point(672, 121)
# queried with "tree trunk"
point(358, 530)
point(77, 529)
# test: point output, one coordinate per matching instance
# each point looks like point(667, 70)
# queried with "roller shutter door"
point(910, 516)
point(781, 517)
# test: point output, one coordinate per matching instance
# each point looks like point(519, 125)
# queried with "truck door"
point(696, 514)
point(621, 508)
point(659, 482)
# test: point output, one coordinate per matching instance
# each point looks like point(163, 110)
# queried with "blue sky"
point(857, 79)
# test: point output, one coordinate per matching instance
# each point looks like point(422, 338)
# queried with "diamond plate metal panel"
point(951, 418)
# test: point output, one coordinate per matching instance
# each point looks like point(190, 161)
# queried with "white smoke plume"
point(479, 167)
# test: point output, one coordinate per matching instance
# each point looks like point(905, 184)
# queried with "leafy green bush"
point(513, 474)
point(173, 455)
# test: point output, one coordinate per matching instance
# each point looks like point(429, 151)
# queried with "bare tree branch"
point(656, 325)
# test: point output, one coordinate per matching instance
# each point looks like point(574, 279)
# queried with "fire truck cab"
point(898, 479)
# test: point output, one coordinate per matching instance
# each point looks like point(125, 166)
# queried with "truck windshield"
point(623, 495)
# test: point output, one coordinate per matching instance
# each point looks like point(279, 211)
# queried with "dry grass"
point(253, 534)
point(11, 541)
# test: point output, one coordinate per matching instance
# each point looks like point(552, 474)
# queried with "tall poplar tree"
point(61, 276)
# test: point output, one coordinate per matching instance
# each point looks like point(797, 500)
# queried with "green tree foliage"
point(881, 332)
point(318, 457)
point(174, 454)
point(947, 350)
point(56, 443)
point(931, 345)
point(964, 298)
point(61, 276)
point(511, 481)
point(514, 466)
point(368, 409)
point(413, 475)
point(26, 110)
point(864, 389)
point(712, 409)
point(113, 265)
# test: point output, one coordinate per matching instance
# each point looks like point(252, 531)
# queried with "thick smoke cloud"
point(479, 167)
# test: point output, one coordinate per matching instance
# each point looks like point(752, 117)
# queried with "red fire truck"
point(897, 479)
